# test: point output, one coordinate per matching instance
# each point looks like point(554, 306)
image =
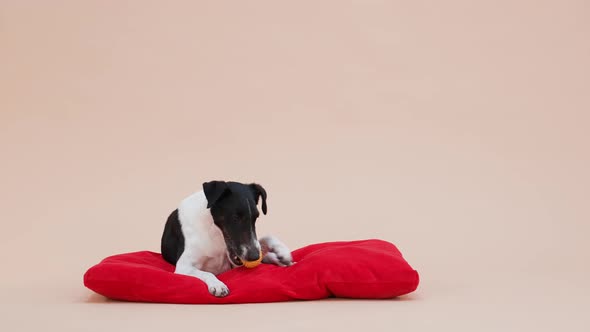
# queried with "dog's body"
point(213, 230)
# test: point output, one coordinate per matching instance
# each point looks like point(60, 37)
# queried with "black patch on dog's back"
point(172, 245)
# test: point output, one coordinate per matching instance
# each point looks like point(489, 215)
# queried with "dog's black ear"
point(259, 192)
point(214, 190)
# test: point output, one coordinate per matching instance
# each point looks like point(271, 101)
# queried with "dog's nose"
point(252, 255)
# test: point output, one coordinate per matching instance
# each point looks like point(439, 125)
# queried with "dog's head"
point(234, 210)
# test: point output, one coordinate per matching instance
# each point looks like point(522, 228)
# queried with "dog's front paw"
point(217, 288)
point(274, 258)
point(276, 252)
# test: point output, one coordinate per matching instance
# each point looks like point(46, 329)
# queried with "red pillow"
point(367, 269)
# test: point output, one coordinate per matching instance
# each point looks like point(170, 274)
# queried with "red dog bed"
point(368, 269)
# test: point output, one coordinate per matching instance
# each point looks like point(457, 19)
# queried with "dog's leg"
point(276, 251)
point(215, 286)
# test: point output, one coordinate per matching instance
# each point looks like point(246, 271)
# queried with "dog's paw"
point(277, 252)
point(217, 288)
point(273, 258)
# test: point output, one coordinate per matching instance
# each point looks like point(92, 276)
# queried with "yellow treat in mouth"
point(253, 264)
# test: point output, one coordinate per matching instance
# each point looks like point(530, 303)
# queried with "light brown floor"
point(459, 130)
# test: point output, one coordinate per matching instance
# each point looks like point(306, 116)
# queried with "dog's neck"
point(200, 232)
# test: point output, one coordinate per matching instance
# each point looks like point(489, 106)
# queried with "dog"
point(214, 229)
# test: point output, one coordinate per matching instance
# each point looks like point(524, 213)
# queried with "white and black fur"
point(214, 228)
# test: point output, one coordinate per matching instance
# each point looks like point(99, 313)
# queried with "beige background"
point(456, 129)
